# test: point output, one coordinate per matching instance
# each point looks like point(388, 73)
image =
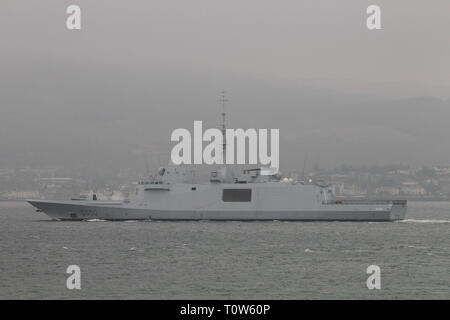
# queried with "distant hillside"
point(103, 117)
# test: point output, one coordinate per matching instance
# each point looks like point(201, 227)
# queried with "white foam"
point(418, 247)
point(95, 220)
point(425, 221)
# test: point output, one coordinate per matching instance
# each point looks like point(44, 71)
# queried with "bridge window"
point(237, 195)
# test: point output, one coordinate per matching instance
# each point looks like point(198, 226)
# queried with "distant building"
point(350, 189)
point(21, 195)
point(444, 184)
point(412, 188)
point(385, 190)
point(58, 187)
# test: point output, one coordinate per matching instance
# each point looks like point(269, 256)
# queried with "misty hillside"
point(94, 117)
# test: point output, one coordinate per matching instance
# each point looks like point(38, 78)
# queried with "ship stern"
point(398, 210)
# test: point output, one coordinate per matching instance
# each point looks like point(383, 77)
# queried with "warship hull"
point(82, 210)
point(268, 202)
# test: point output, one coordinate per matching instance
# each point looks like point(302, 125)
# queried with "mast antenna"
point(223, 100)
point(304, 168)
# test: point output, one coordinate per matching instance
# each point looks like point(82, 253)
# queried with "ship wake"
point(424, 221)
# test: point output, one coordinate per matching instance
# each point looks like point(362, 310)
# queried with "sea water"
point(225, 260)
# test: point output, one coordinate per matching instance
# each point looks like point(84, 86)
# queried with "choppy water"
point(221, 260)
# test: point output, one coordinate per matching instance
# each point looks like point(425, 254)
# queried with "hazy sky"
point(298, 39)
point(103, 96)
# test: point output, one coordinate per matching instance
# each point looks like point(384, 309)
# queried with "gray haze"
point(103, 97)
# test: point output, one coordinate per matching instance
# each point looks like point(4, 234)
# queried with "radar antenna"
point(223, 100)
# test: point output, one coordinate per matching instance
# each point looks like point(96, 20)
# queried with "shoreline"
point(412, 199)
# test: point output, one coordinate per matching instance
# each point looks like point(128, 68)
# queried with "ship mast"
point(223, 100)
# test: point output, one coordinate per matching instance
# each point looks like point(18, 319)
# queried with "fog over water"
point(97, 106)
point(101, 98)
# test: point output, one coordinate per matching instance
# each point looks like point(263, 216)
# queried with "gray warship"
point(169, 196)
point(173, 194)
